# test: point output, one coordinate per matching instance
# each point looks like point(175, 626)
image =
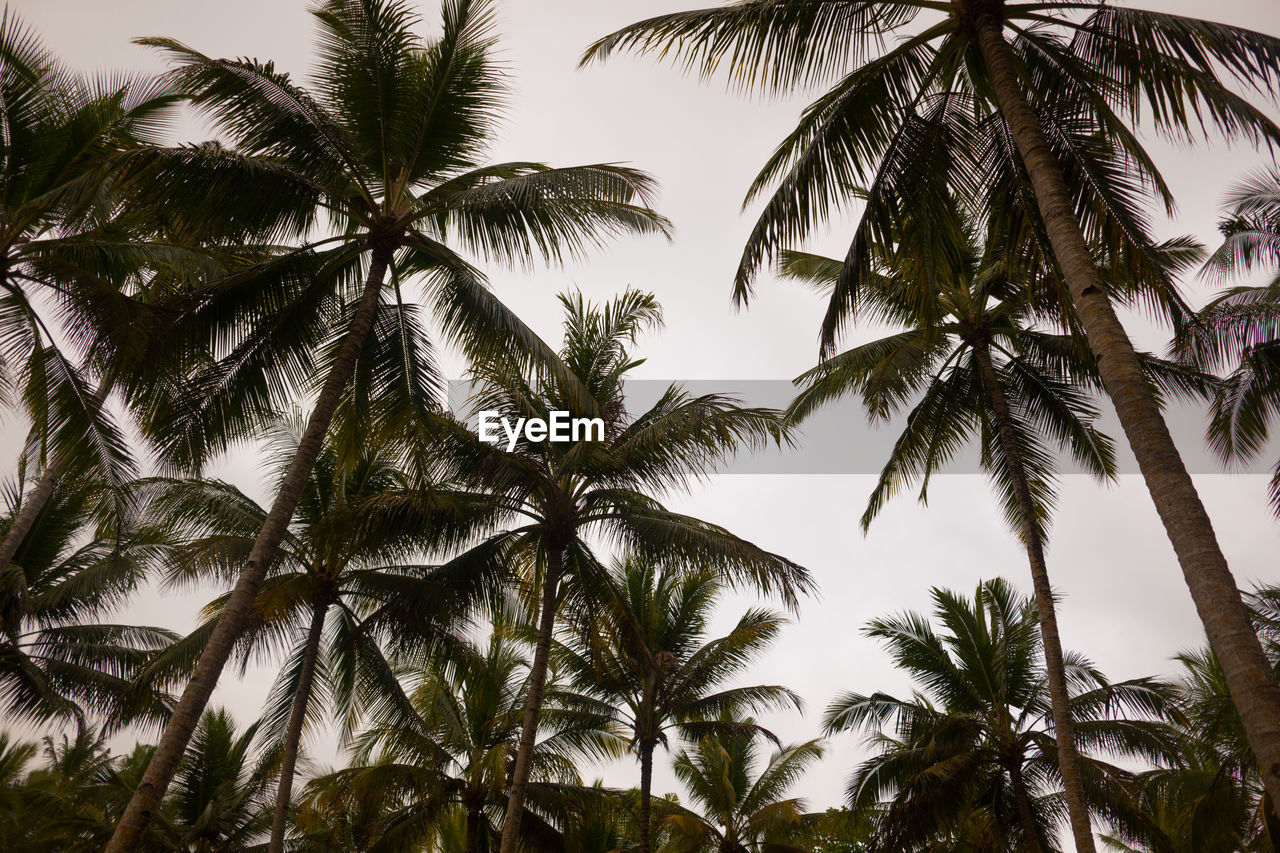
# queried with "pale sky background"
point(1124, 602)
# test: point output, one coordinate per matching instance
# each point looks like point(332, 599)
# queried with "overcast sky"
point(1124, 602)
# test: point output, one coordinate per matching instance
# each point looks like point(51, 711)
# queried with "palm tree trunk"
point(646, 793)
point(533, 702)
point(473, 829)
point(34, 502)
point(1059, 698)
point(293, 734)
point(1022, 800)
point(239, 606)
point(1253, 686)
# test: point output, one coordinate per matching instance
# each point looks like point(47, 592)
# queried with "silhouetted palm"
point(641, 656)
point(741, 808)
point(384, 153)
point(452, 752)
point(1050, 95)
point(1239, 330)
point(971, 756)
point(559, 494)
point(58, 658)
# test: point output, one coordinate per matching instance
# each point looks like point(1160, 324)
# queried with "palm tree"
point(556, 494)
point(742, 808)
point(386, 148)
point(73, 313)
point(1239, 330)
point(1036, 74)
point(972, 749)
point(453, 749)
point(973, 364)
point(221, 800)
point(640, 658)
point(341, 562)
point(58, 659)
point(1210, 797)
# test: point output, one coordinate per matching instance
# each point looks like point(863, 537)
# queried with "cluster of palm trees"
point(479, 620)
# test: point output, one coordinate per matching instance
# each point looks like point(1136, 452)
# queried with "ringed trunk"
point(235, 614)
point(293, 735)
point(1252, 684)
point(1059, 698)
point(533, 702)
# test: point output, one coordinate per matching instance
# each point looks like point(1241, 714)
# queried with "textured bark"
point(235, 614)
point(34, 501)
point(646, 793)
point(533, 702)
point(1253, 686)
point(293, 734)
point(1059, 698)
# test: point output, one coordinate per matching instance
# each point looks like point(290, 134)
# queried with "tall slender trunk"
point(646, 793)
point(1022, 800)
point(533, 702)
point(473, 829)
point(1253, 686)
point(239, 606)
point(1059, 698)
point(35, 500)
point(293, 734)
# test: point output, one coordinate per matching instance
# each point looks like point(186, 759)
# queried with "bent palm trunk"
point(1059, 699)
point(39, 496)
point(1252, 684)
point(293, 735)
point(533, 702)
point(235, 614)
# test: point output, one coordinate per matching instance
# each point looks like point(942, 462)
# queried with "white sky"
point(1124, 602)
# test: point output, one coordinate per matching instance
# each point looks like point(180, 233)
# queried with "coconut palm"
point(602, 482)
point(971, 752)
point(220, 802)
point(72, 317)
point(1038, 74)
point(641, 658)
point(973, 363)
point(1239, 330)
point(1210, 797)
point(386, 148)
point(342, 564)
point(453, 749)
point(741, 808)
point(58, 658)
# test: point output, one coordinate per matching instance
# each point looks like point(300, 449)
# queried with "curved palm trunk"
point(1253, 686)
point(235, 613)
point(36, 499)
point(1059, 698)
point(533, 702)
point(646, 794)
point(293, 734)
